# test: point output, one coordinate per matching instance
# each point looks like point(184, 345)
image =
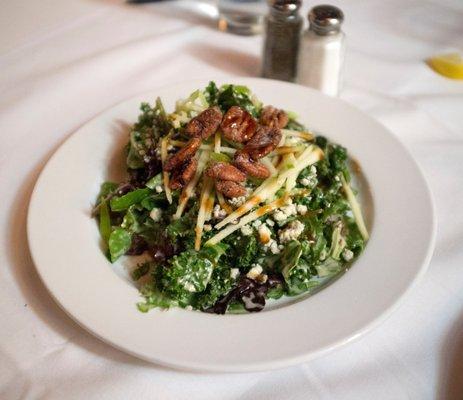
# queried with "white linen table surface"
point(64, 61)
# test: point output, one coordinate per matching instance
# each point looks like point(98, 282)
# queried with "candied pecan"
point(246, 164)
point(265, 140)
point(238, 125)
point(229, 188)
point(273, 117)
point(184, 174)
point(226, 172)
point(205, 124)
point(183, 155)
point(176, 182)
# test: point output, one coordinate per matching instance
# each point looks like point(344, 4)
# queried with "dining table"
point(63, 62)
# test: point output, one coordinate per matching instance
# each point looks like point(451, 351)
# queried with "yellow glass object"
point(449, 65)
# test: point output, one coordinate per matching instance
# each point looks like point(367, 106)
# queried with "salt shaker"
point(282, 29)
point(322, 50)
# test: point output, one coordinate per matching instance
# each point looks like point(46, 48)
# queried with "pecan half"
point(184, 174)
point(273, 117)
point(205, 124)
point(230, 189)
point(238, 125)
point(226, 172)
point(245, 163)
point(183, 155)
point(265, 140)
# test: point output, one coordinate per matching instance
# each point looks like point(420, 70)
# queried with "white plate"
point(65, 246)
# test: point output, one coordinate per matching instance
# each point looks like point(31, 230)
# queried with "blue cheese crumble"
point(291, 232)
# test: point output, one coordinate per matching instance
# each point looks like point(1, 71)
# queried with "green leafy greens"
point(297, 247)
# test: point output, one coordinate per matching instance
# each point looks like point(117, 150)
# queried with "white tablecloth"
point(62, 62)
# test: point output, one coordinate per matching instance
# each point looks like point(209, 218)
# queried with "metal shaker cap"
point(285, 6)
point(325, 19)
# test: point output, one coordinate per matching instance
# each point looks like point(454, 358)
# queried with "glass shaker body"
point(321, 57)
point(281, 45)
point(321, 61)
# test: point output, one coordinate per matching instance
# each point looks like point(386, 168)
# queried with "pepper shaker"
point(283, 26)
point(322, 50)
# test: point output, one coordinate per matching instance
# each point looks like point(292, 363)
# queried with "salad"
point(231, 202)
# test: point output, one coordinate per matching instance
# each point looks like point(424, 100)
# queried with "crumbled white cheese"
point(156, 214)
point(255, 271)
point(270, 222)
point(219, 212)
point(291, 232)
point(347, 254)
point(237, 201)
point(246, 230)
point(311, 179)
point(279, 216)
point(301, 209)
point(158, 188)
point(189, 286)
point(257, 223)
point(189, 308)
point(264, 234)
point(285, 212)
point(207, 228)
point(273, 246)
point(290, 209)
point(234, 272)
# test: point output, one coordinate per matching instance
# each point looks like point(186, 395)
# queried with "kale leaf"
point(354, 239)
point(334, 162)
point(154, 298)
point(151, 125)
point(211, 93)
point(220, 284)
point(235, 95)
point(181, 230)
point(245, 250)
point(301, 278)
point(190, 272)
